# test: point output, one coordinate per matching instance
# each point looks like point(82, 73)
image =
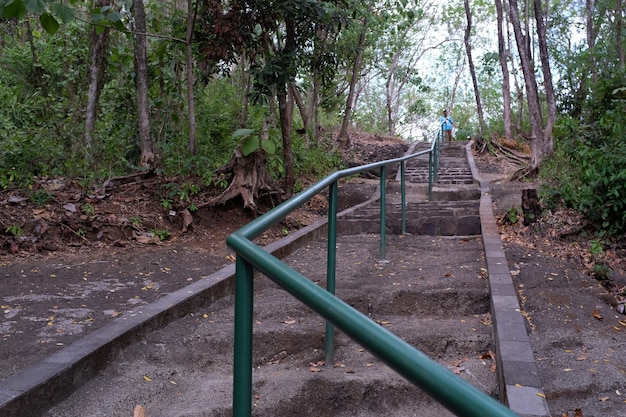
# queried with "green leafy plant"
point(136, 222)
point(596, 247)
point(40, 197)
point(166, 204)
point(251, 142)
point(161, 234)
point(15, 230)
point(88, 209)
point(512, 215)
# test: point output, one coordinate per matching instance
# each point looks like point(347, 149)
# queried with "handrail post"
point(383, 212)
point(403, 195)
point(431, 158)
point(436, 163)
point(242, 366)
point(331, 270)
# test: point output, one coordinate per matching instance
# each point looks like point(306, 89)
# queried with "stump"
point(530, 206)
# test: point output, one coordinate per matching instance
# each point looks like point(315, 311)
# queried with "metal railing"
point(452, 392)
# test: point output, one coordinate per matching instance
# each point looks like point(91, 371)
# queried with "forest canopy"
point(211, 89)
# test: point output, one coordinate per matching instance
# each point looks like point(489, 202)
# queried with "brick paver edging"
point(518, 376)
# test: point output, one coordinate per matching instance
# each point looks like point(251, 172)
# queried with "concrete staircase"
point(453, 210)
point(432, 289)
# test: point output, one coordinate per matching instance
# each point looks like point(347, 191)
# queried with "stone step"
point(436, 303)
point(458, 218)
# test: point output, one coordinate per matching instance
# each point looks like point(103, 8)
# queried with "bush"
point(588, 173)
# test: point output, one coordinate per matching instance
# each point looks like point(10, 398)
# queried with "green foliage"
point(178, 194)
point(161, 234)
point(588, 170)
point(40, 197)
point(88, 209)
point(15, 230)
point(315, 159)
point(251, 143)
point(512, 216)
point(136, 222)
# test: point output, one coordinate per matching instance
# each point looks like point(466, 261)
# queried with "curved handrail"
point(458, 396)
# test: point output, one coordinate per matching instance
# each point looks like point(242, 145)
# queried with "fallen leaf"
point(578, 413)
point(540, 394)
point(596, 314)
point(147, 378)
point(314, 369)
point(289, 322)
point(139, 411)
point(603, 399)
point(581, 357)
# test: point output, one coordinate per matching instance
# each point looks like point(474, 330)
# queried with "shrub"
point(588, 173)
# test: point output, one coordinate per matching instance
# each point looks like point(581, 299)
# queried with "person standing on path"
point(447, 124)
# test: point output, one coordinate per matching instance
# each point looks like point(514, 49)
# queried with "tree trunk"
point(532, 92)
point(506, 85)
point(248, 177)
point(245, 75)
point(542, 40)
point(285, 113)
point(96, 76)
point(389, 94)
point(619, 34)
point(468, 49)
point(530, 206)
point(342, 139)
point(141, 69)
point(314, 94)
point(460, 65)
point(591, 42)
point(519, 92)
point(191, 18)
point(304, 115)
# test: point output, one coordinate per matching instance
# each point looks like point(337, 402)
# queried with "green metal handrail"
point(452, 392)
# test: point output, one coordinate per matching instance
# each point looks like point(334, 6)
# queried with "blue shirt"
point(446, 122)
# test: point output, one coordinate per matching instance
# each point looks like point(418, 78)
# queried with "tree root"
point(248, 178)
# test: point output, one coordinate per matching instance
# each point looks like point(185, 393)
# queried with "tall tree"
point(141, 74)
point(191, 105)
point(619, 33)
point(506, 84)
point(537, 138)
point(96, 71)
point(276, 37)
point(342, 138)
point(468, 49)
point(548, 87)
